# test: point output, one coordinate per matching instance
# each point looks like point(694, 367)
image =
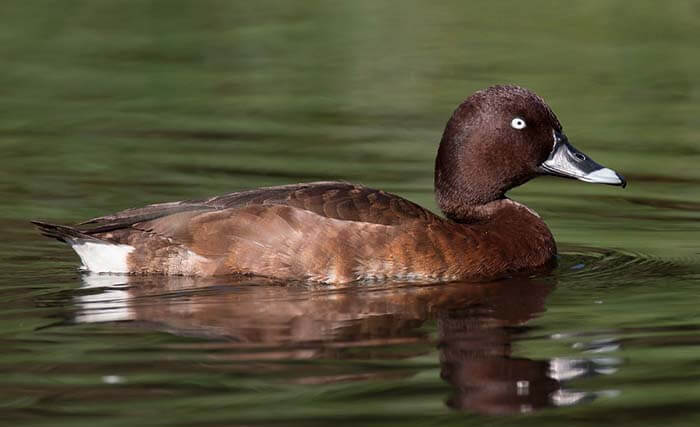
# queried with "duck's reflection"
point(476, 326)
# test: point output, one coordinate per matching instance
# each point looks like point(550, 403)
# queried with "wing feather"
point(336, 200)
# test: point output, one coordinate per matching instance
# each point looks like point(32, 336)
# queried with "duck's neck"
point(466, 204)
point(465, 186)
point(468, 213)
point(488, 212)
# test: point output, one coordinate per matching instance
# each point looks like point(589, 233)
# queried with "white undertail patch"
point(102, 257)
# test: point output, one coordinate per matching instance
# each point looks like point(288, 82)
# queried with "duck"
point(498, 138)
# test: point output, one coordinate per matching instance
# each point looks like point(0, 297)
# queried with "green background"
point(106, 105)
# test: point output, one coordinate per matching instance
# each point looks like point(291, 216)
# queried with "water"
point(109, 105)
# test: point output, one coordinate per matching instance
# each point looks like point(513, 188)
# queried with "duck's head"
point(502, 137)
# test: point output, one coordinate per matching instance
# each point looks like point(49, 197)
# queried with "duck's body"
point(339, 232)
point(324, 231)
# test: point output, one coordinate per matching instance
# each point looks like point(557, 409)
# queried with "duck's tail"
point(64, 233)
point(97, 255)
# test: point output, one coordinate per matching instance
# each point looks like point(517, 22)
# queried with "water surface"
point(109, 105)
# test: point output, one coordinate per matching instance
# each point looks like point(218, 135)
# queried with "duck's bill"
point(566, 161)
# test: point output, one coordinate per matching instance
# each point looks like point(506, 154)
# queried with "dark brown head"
point(499, 138)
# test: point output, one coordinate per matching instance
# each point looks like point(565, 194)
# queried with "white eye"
point(518, 123)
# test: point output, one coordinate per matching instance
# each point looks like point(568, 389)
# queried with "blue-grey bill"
point(567, 161)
